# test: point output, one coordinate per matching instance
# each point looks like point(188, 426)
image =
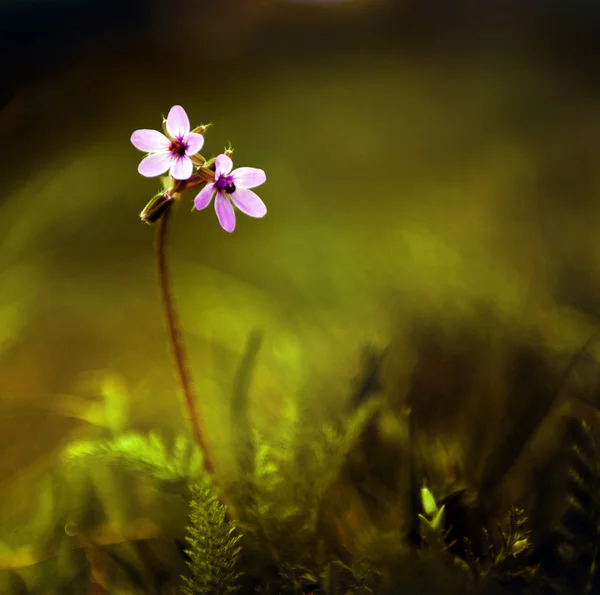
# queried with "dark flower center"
point(177, 147)
point(226, 184)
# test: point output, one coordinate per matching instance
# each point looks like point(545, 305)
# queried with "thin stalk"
point(176, 340)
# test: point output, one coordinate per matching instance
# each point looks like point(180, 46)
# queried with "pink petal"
point(225, 212)
point(155, 164)
point(223, 165)
point(194, 143)
point(248, 202)
point(150, 141)
point(248, 177)
point(178, 124)
point(182, 167)
point(204, 197)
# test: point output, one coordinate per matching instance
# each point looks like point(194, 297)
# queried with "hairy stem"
point(176, 339)
point(203, 175)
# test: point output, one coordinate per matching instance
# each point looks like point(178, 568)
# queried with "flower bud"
point(202, 128)
point(520, 546)
point(428, 502)
point(157, 206)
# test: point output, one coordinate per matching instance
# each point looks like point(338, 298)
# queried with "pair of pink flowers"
point(174, 152)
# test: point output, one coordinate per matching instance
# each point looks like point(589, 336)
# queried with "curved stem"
point(176, 339)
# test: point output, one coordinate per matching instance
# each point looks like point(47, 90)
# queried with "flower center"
point(226, 184)
point(177, 147)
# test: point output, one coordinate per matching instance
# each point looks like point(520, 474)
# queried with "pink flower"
point(233, 188)
point(172, 151)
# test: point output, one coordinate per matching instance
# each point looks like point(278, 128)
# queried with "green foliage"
point(531, 388)
point(506, 560)
point(360, 576)
point(281, 501)
point(122, 508)
point(432, 526)
point(573, 545)
point(291, 475)
point(243, 444)
point(140, 454)
point(214, 549)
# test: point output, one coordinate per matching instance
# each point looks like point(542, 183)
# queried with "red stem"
point(176, 340)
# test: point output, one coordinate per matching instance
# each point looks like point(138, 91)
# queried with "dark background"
point(40, 36)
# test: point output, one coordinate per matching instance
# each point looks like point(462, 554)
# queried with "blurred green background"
point(420, 157)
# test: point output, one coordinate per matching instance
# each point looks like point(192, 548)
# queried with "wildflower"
point(232, 188)
point(172, 151)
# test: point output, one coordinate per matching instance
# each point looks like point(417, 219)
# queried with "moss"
point(213, 546)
